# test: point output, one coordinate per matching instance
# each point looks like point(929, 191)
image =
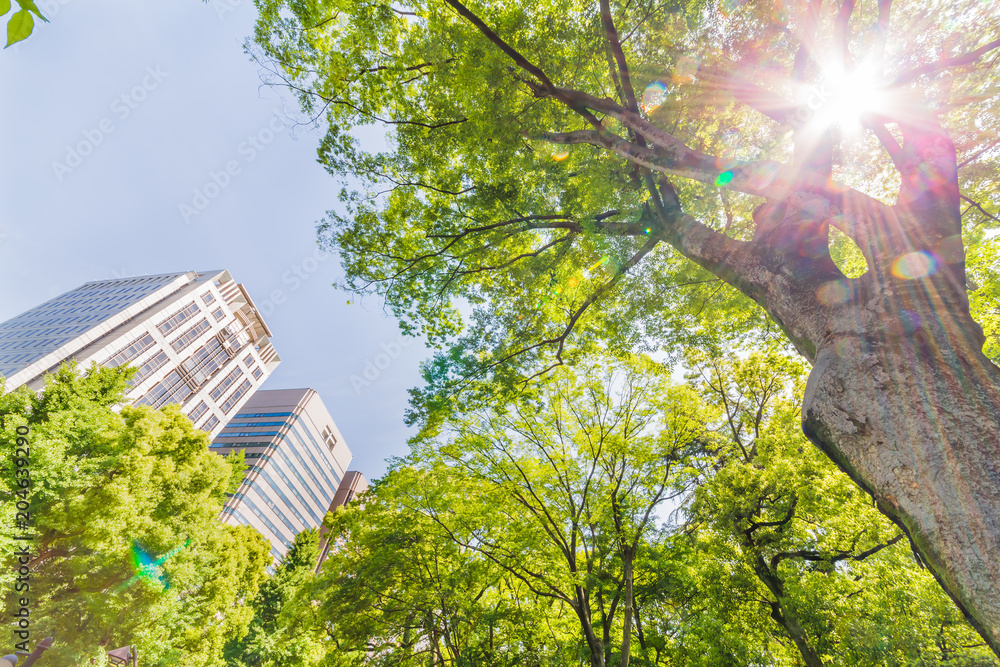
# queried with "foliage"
point(108, 481)
point(471, 211)
point(551, 244)
point(530, 532)
point(560, 177)
point(261, 646)
point(21, 23)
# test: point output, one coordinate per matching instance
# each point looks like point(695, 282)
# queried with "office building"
point(195, 337)
point(297, 462)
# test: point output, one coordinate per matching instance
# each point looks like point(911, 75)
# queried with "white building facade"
point(296, 463)
point(196, 338)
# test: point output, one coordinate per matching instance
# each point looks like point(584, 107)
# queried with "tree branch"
point(945, 63)
point(619, 55)
point(560, 340)
point(772, 524)
point(519, 60)
point(979, 206)
point(842, 30)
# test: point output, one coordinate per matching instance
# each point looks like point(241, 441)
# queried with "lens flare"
point(654, 96)
point(914, 265)
point(763, 176)
point(723, 178)
point(560, 155)
point(150, 569)
point(834, 292)
point(687, 68)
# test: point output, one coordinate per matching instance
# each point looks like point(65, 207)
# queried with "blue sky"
point(137, 138)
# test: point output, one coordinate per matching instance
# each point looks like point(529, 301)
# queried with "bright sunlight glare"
point(849, 96)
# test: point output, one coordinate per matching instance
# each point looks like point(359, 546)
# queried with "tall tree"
point(396, 590)
point(574, 477)
point(520, 539)
point(126, 543)
point(574, 170)
point(786, 547)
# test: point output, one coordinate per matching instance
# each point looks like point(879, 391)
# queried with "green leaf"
point(4, 7)
point(19, 27)
point(32, 7)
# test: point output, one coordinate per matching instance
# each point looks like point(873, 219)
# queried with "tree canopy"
point(537, 531)
point(263, 644)
point(127, 544)
point(652, 174)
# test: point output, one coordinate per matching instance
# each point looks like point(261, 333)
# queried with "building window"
point(148, 368)
point(257, 373)
point(207, 359)
point(236, 396)
point(246, 434)
point(190, 335)
point(175, 320)
point(218, 314)
point(210, 424)
point(171, 389)
point(198, 412)
point(248, 360)
point(226, 383)
point(130, 352)
point(253, 415)
point(208, 298)
point(240, 445)
point(254, 425)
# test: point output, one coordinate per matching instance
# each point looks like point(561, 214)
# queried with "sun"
point(845, 96)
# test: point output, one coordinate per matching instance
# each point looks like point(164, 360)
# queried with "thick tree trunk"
point(900, 395)
point(909, 407)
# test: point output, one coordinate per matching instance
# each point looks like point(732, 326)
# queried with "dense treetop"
point(513, 175)
point(114, 489)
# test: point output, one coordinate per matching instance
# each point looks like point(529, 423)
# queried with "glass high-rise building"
point(296, 463)
point(196, 338)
